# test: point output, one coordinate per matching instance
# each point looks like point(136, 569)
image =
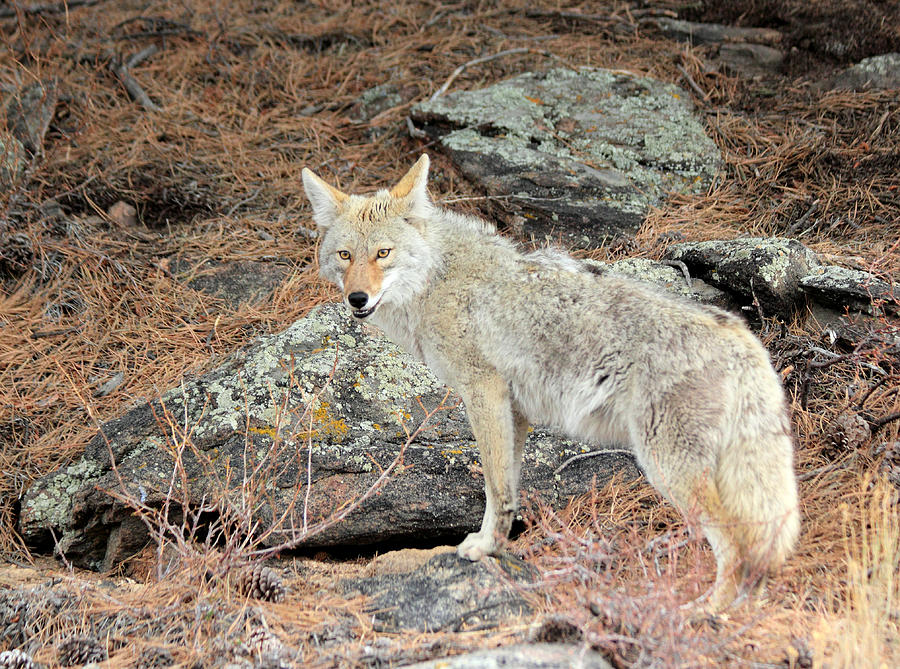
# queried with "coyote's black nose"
point(358, 299)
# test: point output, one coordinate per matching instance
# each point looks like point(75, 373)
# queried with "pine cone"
point(261, 582)
point(80, 650)
point(847, 432)
point(15, 659)
point(153, 658)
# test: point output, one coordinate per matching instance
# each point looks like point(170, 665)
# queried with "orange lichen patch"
point(326, 425)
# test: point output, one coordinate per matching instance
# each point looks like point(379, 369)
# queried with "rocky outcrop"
point(576, 156)
point(295, 427)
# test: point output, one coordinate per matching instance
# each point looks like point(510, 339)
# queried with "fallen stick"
point(134, 89)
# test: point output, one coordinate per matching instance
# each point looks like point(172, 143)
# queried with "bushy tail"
point(757, 489)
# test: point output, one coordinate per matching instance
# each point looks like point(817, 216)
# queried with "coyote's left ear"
point(413, 188)
point(326, 200)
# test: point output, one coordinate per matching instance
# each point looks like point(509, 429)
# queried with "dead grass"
point(249, 93)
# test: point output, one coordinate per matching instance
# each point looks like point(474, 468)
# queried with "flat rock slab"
point(761, 269)
point(837, 286)
point(297, 425)
point(447, 593)
point(235, 283)
point(574, 156)
point(522, 656)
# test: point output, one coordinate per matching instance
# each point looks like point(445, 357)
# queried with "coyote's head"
point(374, 247)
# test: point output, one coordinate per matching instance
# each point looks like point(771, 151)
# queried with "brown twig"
point(134, 89)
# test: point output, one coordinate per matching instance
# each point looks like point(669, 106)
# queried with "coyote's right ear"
point(413, 189)
point(326, 200)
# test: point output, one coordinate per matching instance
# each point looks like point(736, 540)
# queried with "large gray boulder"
point(577, 155)
point(324, 403)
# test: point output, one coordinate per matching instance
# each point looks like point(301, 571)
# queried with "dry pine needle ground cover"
point(232, 100)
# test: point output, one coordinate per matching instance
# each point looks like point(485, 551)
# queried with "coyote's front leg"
point(500, 433)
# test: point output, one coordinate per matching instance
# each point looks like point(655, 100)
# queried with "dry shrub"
point(860, 621)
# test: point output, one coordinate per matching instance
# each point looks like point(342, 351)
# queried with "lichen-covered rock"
point(757, 269)
point(326, 402)
point(578, 155)
point(836, 286)
point(668, 277)
point(447, 593)
point(876, 72)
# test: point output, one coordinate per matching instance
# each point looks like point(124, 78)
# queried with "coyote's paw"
point(476, 546)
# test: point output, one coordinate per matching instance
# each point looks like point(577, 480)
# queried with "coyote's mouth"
point(362, 313)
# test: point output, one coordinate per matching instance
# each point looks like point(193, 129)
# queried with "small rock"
point(110, 385)
point(29, 112)
point(374, 101)
point(122, 214)
point(750, 58)
point(235, 283)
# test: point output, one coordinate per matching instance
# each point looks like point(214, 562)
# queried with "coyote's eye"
point(344, 255)
point(383, 253)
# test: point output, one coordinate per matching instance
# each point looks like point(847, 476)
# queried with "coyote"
point(537, 338)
